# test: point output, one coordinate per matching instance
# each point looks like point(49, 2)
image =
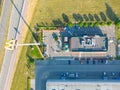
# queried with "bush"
point(80, 24)
point(56, 38)
point(70, 24)
point(102, 23)
point(96, 24)
point(47, 27)
point(109, 23)
point(91, 24)
point(118, 24)
point(36, 27)
point(28, 83)
point(85, 24)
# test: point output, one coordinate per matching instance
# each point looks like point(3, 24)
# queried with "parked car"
point(102, 61)
point(72, 76)
point(81, 62)
point(104, 73)
point(87, 61)
point(106, 61)
point(69, 62)
point(76, 75)
point(93, 61)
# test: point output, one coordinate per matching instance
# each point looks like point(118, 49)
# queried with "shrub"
point(91, 24)
point(28, 83)
point(109, 23)
point(56, 38)
point(47, 27)
point(36, 27)
point(80, 24)
point(96, 24)
point(85, 24)
point(70, 24)
point(102, 23)
point(118, 24)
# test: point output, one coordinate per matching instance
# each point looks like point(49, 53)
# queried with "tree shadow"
point(96, 17)
point(36, 37)
point(42, 24)
point(46, 23)
point(110, 13)
point(30, 59)
point(58, 22)
point(103, 17)
point(65, 18)
point(76, 17)
point(85, 17)
point(91, 17)
point(80, 17)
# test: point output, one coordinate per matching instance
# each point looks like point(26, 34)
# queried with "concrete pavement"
point(4, 19)
point(10, 56)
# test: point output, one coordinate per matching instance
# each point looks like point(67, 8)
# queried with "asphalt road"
point(52, 70)
point(10, 56)
point(4, 19)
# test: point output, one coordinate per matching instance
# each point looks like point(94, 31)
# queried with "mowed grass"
point(48, 11)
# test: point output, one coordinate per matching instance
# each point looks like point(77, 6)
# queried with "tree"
point(36, 27)
point(80, 24)
point(109, 23)
point(91, 24)
point(85, 24)
point(56, 38)
point(96, 24)
point(70, 24)
point(102, 23)
point(118, 24)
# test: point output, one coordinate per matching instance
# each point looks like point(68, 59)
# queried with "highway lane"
point(4, 19)
point(10, 56)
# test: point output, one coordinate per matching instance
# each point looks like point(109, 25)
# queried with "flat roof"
point(81, 85)
point(89, 43)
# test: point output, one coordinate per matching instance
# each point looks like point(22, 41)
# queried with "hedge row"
point(47, 27)
point(96, 24)
point(81, 24)
point(28, 83)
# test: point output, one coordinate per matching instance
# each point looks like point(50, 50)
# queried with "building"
point(81, 85)
point(89, 43)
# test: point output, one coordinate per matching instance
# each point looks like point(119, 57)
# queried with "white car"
point(106, 62)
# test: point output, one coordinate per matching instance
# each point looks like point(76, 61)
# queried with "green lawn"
point(33, 52)
point(53, 12)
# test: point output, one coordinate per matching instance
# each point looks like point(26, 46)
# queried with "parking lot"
point(109, 31)
point(46, 70)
